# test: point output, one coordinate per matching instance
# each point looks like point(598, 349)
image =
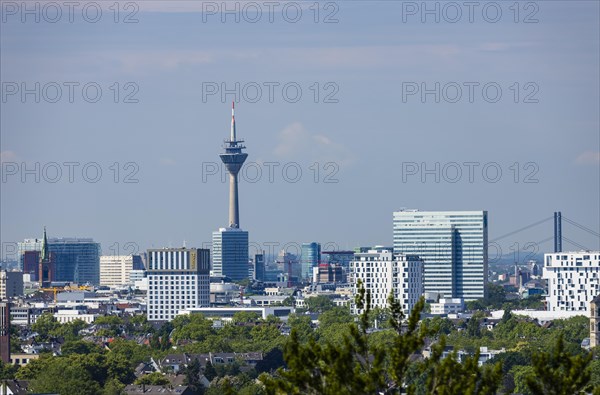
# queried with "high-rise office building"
point(11, 284)
point(310, 256)
point(230, 253)
point(178, 278)
point(230, 245)
point(573, 280)
point(115, 269)
point(75, 259)
point(290, 266)
point(382, 272)
point(259, 267)
point(31, 264)
point(453, 247)
point(138, 261)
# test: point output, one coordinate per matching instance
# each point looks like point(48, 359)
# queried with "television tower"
point(233, 158)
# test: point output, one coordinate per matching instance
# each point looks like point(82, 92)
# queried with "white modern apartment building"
point(178, 279)
point(453, 247)
point(115, 269)
point(382, 272)
point(573, 280)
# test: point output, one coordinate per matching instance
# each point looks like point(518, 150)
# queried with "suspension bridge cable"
point(523, 228)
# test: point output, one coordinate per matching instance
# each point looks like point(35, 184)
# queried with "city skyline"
point(371, 135)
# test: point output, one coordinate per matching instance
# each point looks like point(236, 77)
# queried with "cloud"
point(296, 143)
point(588, 158)
point(8, 156)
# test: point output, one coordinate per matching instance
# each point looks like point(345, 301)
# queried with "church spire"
point(44, 252)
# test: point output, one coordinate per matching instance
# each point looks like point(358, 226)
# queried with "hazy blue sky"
point(376, 135)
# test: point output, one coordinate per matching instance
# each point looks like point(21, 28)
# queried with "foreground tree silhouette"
point(558, 373)
point(359, 367)
point(448, 376)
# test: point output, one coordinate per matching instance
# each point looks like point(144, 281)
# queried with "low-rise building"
point(281, 312)
point(64, 316)
point(448, 306)
point(134, 389)
point(22, 358)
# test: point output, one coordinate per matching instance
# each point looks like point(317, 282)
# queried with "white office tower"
point(382, 272)
point(453, 247)
point(178, 278)
point(115, 270)
point(573, 280)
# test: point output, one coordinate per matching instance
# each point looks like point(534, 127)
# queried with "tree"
point(302, 324)
point(131, 351)
point(449, 376)
point(192, 376)
point(34, 368)
point(243, 283)
point(209, 371)
point(79, 347)
point(361, 366)
point(271, 361)
point(45, 325)
point(7, 370)
point(66, 377)
point(354, 367)
point(496, 295)
point(319, 304)
point(139, 325)
point(245, 317)
point(154, 378)
point(441, 325)
point(192, 327)
point(473, 326)
point(114, 324)
point(264, 337)
point(339, 315)
point(595, 373)
point(119, 368)
point(558, 373)
point(520, 374)
point(69, 330)
point(289, 301)
point(113, 387)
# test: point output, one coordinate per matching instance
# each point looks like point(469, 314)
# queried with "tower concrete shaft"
point(233, 158)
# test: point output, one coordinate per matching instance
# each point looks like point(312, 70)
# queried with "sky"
point(350, 110)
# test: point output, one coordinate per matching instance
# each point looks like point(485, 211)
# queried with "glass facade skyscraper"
point(309, 258)
point(230, 253)
point(76, 260)
point(452, 245)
